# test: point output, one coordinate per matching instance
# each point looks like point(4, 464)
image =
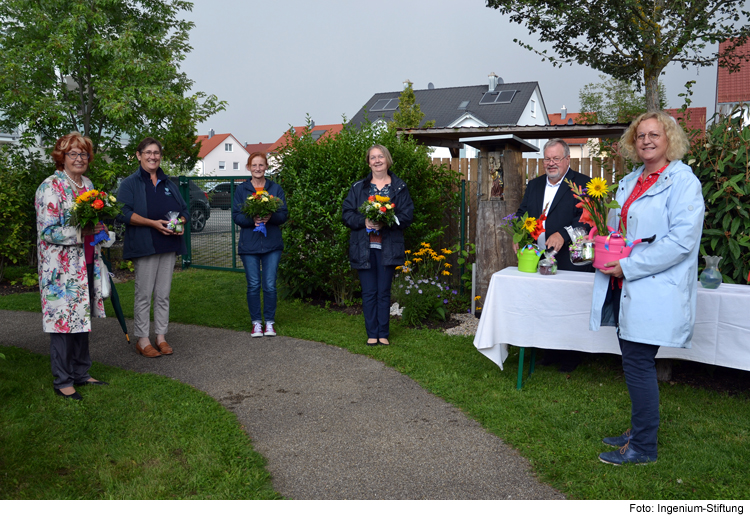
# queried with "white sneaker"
point(269, 330)
point(257, 330)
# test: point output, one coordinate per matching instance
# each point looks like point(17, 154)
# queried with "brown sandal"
point(149, 351)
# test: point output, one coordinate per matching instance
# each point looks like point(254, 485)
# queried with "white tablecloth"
point(552, 311)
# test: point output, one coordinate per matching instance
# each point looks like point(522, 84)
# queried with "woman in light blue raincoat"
point(651, 295)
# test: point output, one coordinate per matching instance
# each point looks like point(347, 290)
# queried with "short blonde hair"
point(381, 148)
point(678, 140)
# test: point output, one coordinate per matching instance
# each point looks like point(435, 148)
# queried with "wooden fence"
point(606, 168)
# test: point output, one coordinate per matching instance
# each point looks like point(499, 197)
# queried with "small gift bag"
point(175, 223)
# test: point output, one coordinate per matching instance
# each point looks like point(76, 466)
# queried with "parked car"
point(221, 195)
point(200, 208)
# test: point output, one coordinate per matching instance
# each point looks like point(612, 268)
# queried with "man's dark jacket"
point(393, 237)
point(562, 212)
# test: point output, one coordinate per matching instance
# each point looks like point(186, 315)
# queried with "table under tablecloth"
point(552, 311)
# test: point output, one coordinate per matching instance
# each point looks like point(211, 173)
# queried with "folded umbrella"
point(115, 298)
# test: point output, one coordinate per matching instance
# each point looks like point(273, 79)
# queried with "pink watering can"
point(612, 247)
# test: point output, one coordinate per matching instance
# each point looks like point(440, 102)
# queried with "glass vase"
point(711, 276)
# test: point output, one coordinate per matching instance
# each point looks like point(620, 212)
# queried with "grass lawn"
point(556, 422)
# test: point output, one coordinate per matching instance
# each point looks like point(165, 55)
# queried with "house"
point(258, 147)
point(316, 131)
point(221, 155)
point(579, 147)
point(693, 119)
point(733, 88)
point(485, 105)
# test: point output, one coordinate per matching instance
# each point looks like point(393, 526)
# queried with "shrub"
point(316, 177)
point(20, 175)
point(721, 163)
point(422, 286)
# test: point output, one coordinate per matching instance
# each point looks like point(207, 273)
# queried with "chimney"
point(493, 81)
point(211, 133)
point(563, 113)
point(407, 82)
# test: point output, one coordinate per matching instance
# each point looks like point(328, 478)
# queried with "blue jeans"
point(639, 364)
point(269, 262)
point(376, 295)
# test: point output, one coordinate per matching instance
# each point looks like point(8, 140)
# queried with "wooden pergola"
point(494, 246)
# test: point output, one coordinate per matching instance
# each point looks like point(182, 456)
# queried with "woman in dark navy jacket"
point(376, 254)
point(260, 253)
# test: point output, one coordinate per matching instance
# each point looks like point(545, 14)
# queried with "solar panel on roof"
point(506, 96)
point(489, 98)
point(379, 105)
point(391, 105)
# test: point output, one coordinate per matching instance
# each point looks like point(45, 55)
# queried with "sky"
point(275, 62)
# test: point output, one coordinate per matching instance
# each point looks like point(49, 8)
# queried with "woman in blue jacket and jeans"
point(374, 248)
point(260, 253)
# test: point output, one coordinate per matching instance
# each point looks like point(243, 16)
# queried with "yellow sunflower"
point(597, 187)
point(530, 224)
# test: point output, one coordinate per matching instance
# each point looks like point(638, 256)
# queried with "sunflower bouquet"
point(93, 207)
point(525, 229)
point(261, 204)
point(379, 209)
point(595, 199)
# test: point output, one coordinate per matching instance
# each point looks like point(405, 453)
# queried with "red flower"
point(585, 216)
point(98, 204)
point(371, 199)
point(383, 209)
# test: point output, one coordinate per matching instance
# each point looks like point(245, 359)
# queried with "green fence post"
point(185, 191)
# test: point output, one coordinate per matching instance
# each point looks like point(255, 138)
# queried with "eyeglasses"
point(151, 153)
point(653, 136)
point(554, 160)
point(77, 155)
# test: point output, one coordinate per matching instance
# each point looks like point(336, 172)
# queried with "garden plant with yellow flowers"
point(595, 199)
point(422, 286)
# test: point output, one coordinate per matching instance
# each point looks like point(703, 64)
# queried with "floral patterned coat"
point(63, 282)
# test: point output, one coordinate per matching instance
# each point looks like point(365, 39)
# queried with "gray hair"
point(556, 141)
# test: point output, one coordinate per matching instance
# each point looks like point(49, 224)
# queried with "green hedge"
point(721, 163)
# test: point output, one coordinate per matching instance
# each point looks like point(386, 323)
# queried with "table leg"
point(532, 362)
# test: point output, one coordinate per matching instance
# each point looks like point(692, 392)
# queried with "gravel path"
point(332, 425)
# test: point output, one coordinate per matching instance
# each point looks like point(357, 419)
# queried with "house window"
point(222, 165)
point(227, 147)
point(236, 165)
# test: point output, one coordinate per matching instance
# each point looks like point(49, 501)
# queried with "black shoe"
point(98, 382)
point(74, 396)
point(376, 343)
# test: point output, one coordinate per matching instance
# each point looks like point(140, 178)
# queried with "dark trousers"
point(69, 358)
point(639, 364)
point(376, 295)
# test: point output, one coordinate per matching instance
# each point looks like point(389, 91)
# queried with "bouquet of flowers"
point(525, 230)
point(261, 204)
point(93, 207)
point(595, 200)
point(379, 209)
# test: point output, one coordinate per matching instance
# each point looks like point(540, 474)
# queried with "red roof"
point(556, 119)
point(734, 87)
point(327, 130)
point(209, 144)
point(257, 147)
point(694, 119)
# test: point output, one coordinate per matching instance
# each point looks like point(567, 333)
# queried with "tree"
point(409, 115)
point(106, 68)
point(613, 101)
point(634, 40)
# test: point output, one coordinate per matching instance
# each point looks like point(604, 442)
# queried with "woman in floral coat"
point(70, 269)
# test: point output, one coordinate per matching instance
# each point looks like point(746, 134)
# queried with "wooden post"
point(494, 245)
